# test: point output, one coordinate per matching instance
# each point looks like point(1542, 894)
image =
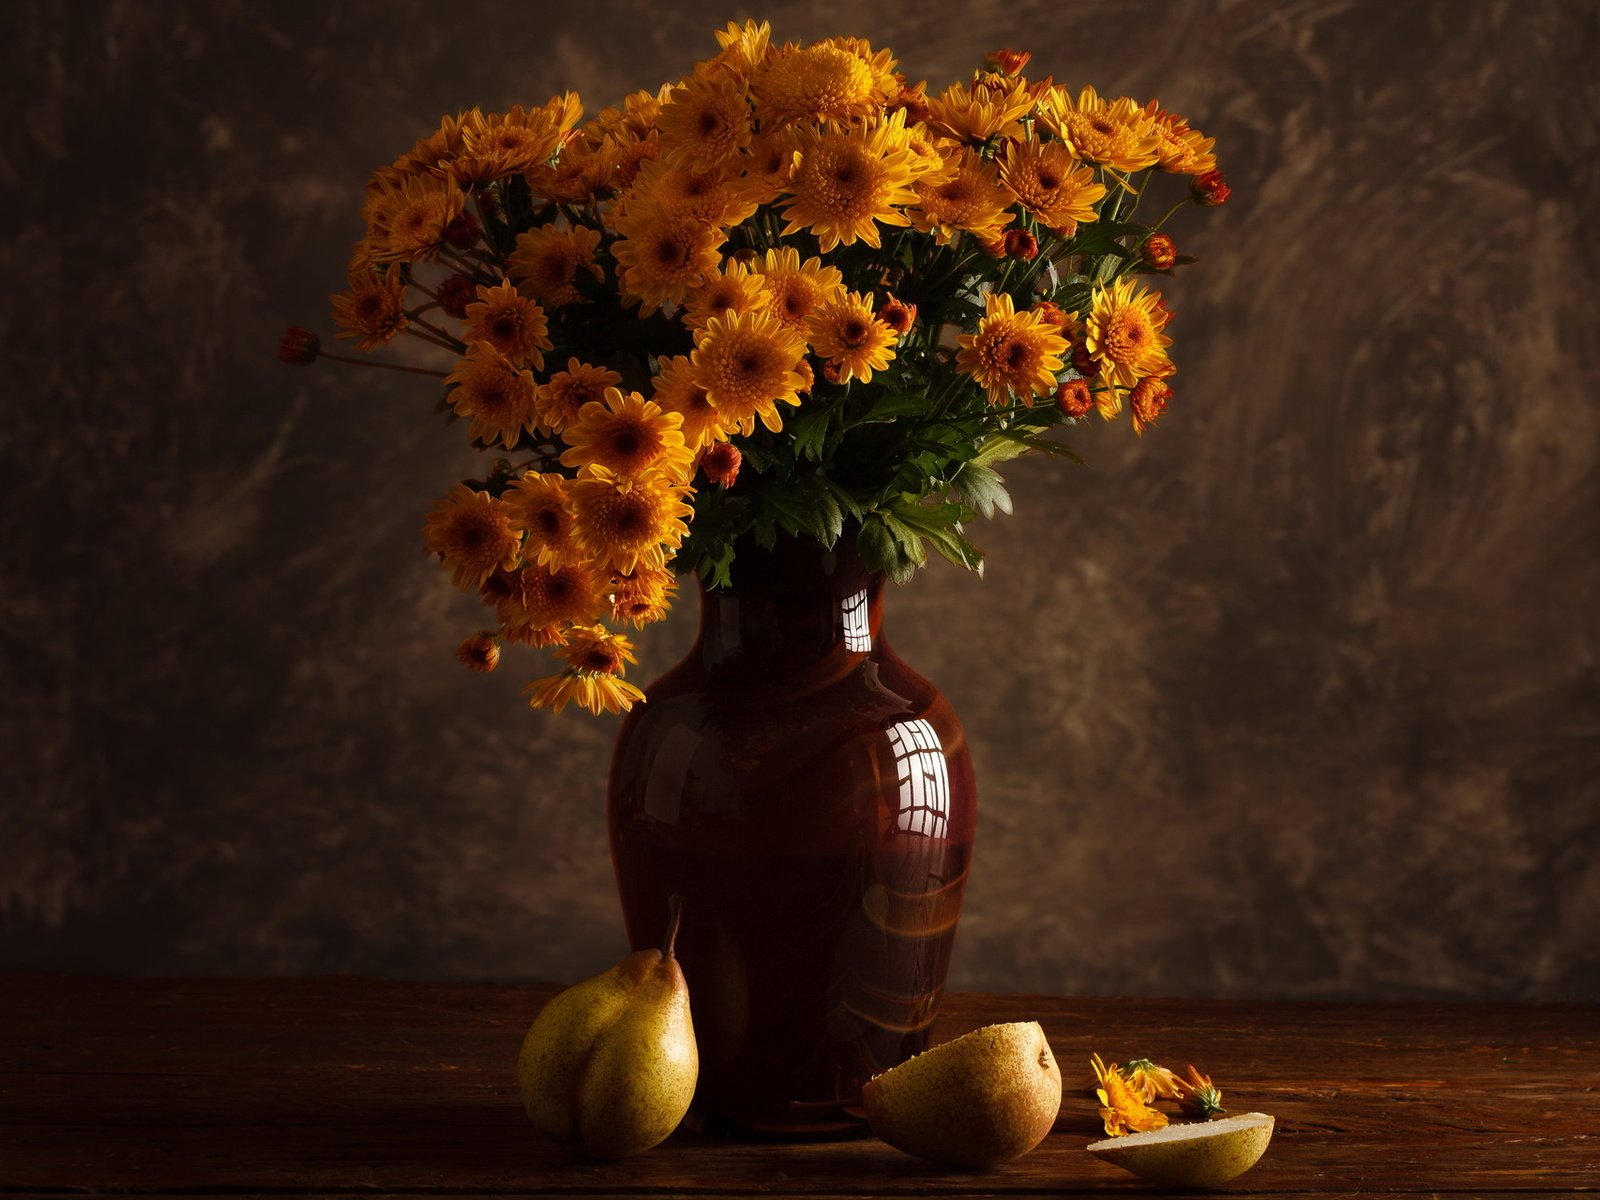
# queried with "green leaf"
point(1000, 448)
point(981, 488)
point(953, 544)
point(882, 550)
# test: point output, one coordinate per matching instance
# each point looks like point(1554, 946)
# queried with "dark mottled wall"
point(1297, 696)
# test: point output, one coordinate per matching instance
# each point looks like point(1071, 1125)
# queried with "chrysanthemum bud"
point(464, 231)
point(1083, 362)
point(898, 315)
point(721, 461)
point(1072, 397)
point(455, 294)
point(1051, 313)
point(831, 371)
point(1148, 401)
point(1162, 315)
point(1021, 244)
point(299, 347)
point(1159, 252)
point(480, 652)
point(1008, 62)
point(914, 101)
point(1210, 189)
point(807, 376)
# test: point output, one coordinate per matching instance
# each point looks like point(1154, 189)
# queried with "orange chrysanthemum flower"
point(713, 197)
point(1122, 1110)
point(563, 395)
point(624, 520)
point(546, 262)
point(1111, 133)
point(677, 391)
point(847, 183)
point(830, 81)
point(472, 534)
point(795, 289)
point(850, 337)
point(596, 649)
point(1012, 353)
point(747, 363)
point(706, 123)
point(1123, 334)
point(1148, 399)
point(509, 143)
point(735, 288)
point(495, 393)
point(1051, 184)
point(511, 323)
point(538, 503)
point(627, 434)
point(374, 309)
point(662, 255)
point(1181, 150)
point(642, 596)
point(768, 165)
point(971, 200)
point(585, 171)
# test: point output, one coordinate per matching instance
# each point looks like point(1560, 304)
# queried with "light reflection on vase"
point(812, 798)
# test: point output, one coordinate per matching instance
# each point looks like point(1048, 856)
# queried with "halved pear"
point(1198, 1154)
point(985, 1098)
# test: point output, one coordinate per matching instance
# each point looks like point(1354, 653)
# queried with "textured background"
point(1296, 697)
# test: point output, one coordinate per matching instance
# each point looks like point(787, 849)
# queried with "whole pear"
point(610, 1064)
point(982, 1099)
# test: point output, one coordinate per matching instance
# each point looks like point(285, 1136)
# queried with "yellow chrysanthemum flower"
point(623, 520)
point(509, 143)
point(561, 397)
point(627, 434)
point(595, 691)
point(1123, 334)
point(1122, 1111)
point(713, 197)
point(827, 81)
point(794, 288)
point(546, 262)
point(635, 119)
point(747, 363)
point(677, 391)
point(847, 333)
point(735, 288)
point(935, 159)
point(373, 311)
point(662, 255)
point(1181, 150)
point(1110, 133)
point(971, 200)
point(511, 323)
point(1148, 1081)
point(642, 596)
point(538, 503)
point(993, 107)
point(846, 184)
point(472, 534)
point(498, 395)
point(1055, 187)
point(743, 46)
point(408, 223)
point(706, 123)
point(1012, 353)
point(536, 603)
point(586, 171)
point(768, 165)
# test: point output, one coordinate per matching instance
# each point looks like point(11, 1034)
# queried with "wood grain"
point(336, 1085)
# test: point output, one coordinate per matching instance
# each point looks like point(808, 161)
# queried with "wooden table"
point(291, 1087)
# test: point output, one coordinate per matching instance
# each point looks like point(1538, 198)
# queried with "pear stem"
point(675, 903)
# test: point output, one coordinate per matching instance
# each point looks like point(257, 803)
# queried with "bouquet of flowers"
point(790, 292)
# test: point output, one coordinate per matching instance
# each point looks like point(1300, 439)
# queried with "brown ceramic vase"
point(811, 798)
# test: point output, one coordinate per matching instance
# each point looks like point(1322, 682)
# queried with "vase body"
point(811, 798)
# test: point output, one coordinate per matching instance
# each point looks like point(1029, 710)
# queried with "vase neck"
point(791, 607)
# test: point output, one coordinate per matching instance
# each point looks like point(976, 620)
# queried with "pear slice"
point(1198, 1154)
point(985, 1098)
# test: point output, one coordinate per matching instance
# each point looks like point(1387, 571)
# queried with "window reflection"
point(857, 630)
point(923, 777)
